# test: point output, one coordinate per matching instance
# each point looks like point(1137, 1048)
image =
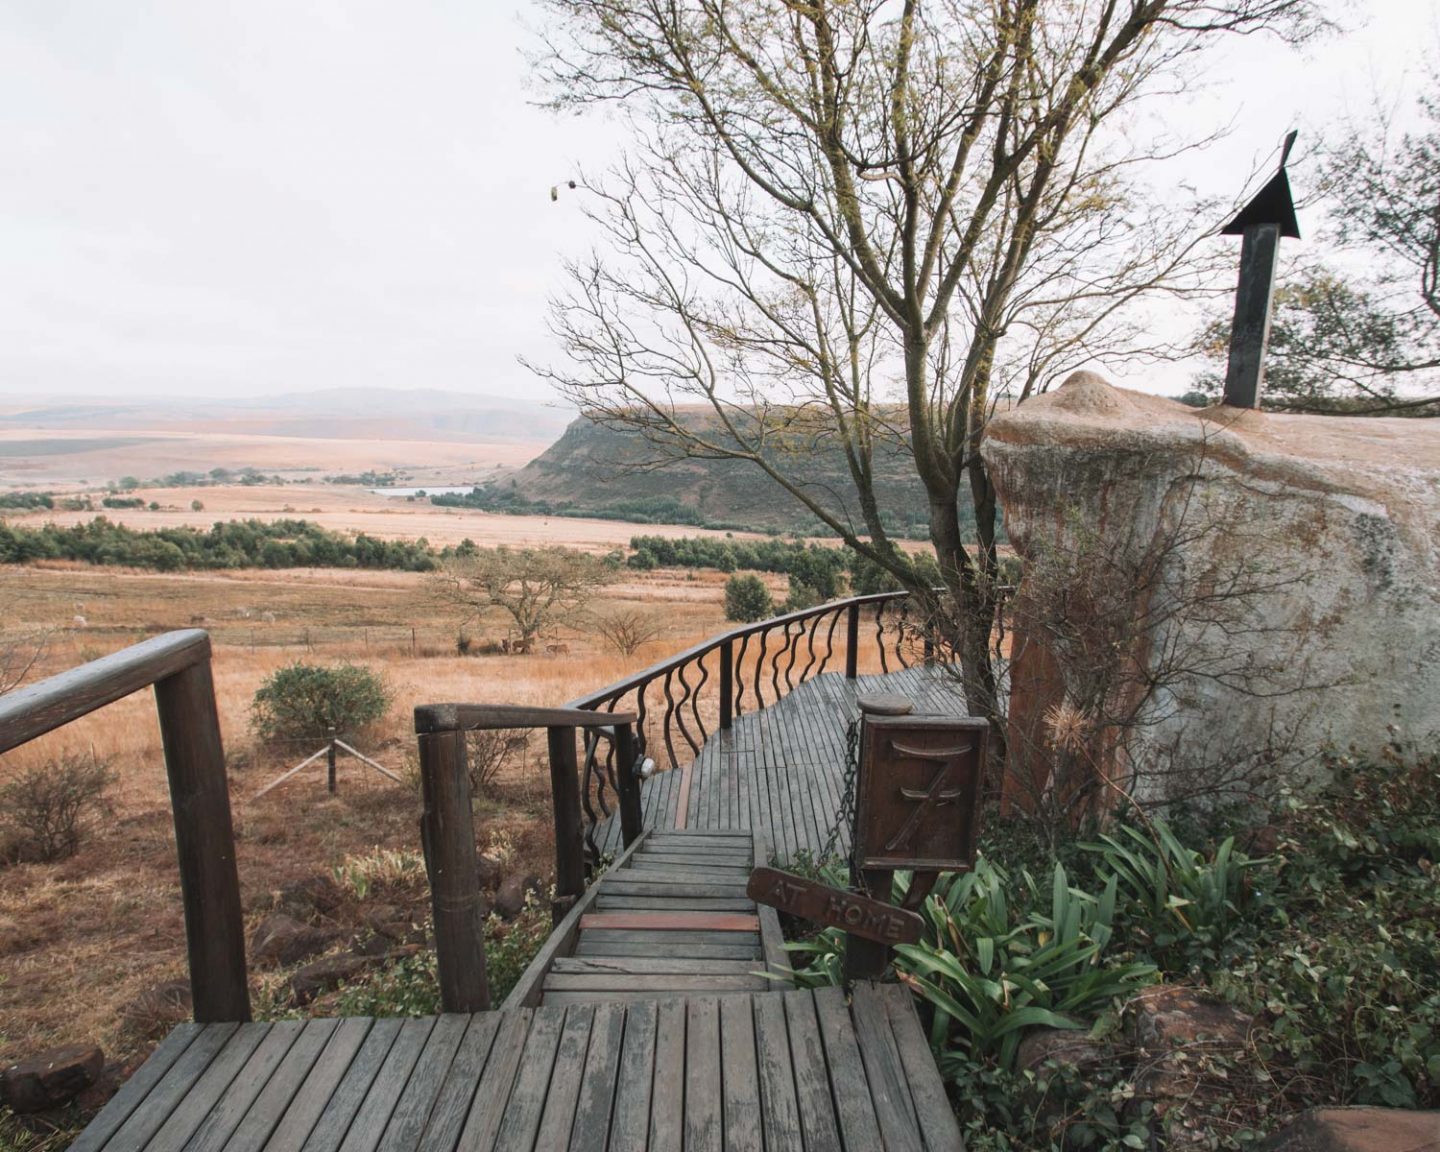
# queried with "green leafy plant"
point(1178, 901)
point(302, 701)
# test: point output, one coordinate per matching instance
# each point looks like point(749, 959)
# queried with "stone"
point(1358, 1130)
point(1275, 574)
point(51, 1078)
point(1063, 1048)
point(1180, 1034)
point(510, 896)
point(490, 870)
point(283, 940)
point(315, 895)
point(159, 1007)
point(325, 976)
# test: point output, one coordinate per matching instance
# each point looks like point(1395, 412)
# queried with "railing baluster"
point(628, 783)
point(669, 715)
point(727, 684)
point(880, 636)
point(852, 641)
point(829, 641)
point(685, 697)
point(740, 673)
point(902, 629)
point(794, 646)
point(760, 670)
point(695, 699)
point(810, 646)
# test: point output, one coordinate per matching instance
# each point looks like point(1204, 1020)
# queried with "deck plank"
point(134, 1091)
point(428, 1077)
point(165, 1096)
point(487, 1110)
point(630, 1120)
point(225, 1117)
point(334, 1123)
point(779, 1111)
point(704, 1116)
point(307, 1105)
point(667, 1095)
point(597, 1085)
point(443, 1126)
point(740, 1076)
point(521, 1120)
point(294, 1071)
point(563, 1094)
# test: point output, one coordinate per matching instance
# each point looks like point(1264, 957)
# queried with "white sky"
point(214, 199)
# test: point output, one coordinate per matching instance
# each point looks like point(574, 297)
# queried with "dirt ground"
point(85, 942)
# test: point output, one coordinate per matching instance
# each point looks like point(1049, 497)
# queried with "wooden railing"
point(447, 825)
point(177, 664)
point(742, 670)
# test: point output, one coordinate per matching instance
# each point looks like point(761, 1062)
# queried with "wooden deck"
point(780, 770)
point(769, 1070)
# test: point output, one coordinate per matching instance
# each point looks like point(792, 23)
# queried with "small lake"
point(437, 490)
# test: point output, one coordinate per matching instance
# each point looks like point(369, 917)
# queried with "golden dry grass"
point(81, 939)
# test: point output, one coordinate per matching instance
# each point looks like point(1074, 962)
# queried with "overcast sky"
point(203, 198)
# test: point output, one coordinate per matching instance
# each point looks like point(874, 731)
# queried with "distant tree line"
point(230, 544)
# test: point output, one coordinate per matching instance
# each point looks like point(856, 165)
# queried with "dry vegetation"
point(83, 940)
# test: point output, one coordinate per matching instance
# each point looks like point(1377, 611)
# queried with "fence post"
point(627, 783)
point(569, 835)
point(727, 684)
point(852, 641)
point(205, 844)
point(330, 758)
point(447, 834)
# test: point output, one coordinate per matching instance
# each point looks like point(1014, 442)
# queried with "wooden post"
point(1250, 330)
point(205, 844)
point(330, 759)
point(866, 959)
point(727, 684)
point(852, 641)
point(569, 834)
point(627, 782)
point(447, 833)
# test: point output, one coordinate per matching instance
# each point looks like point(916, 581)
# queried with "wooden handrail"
point(178, 666)
point(496, 717)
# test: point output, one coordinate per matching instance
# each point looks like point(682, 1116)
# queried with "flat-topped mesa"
point(1212, 593)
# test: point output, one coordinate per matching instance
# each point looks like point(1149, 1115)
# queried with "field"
point(85, 942)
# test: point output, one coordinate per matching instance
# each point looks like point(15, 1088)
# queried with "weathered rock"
point(325, 976)
point(316, 895)
point(51, 1078)
point(1278, 576)
point(1061, 1048)
point(490, 870)
point(159, 1007)
point(281, 939)
point(1184, 1038)
point(510, 896)
point(1358, 1130)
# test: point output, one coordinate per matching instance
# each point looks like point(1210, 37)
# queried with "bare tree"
point(857, 224)
point(627, 630)
point(536, 586)
point(18, 657)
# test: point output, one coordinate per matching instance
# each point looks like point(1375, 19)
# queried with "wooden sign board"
point(918, 792)
point(858, 915)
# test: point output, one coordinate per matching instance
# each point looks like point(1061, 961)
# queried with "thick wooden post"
point(205, 844)
point(852, 641)
point(866, 959)
point(1250, 330)
point(727, 684)
point(627, 782)
point(569, 835)
point(447, 833)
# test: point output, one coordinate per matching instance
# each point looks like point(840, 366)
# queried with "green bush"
point(302, 701)
point(747, 599)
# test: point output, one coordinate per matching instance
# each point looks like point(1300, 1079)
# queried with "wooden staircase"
point(669, 918)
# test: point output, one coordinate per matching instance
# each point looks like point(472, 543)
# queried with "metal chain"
point(845, 818)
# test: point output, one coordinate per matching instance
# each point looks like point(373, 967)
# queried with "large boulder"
point(50, 1078)
point(1212, 593)
point(281, 939)
point(1359, 1130)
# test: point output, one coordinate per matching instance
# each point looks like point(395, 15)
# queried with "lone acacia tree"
point(858, 222)
point(536, 586)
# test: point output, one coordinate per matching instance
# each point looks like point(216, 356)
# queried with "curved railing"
point(680, 701)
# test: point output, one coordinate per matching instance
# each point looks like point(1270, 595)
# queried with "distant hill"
point(605, 471)
point(332, 414)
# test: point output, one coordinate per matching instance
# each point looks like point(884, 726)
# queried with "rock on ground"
point(1359, 1130)
point(51, 1078)
point(1278, 577)
point(281, 939)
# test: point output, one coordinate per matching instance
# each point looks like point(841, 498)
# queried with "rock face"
point(1359, 1130)
point(1211, 592)
point(50, 1078)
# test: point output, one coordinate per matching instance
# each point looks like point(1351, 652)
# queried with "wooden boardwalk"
point(670, 918)
point(767, 1070)
point(781, 770)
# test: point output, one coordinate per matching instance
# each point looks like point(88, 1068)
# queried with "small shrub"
point(381, 869)
point(486, 755)
point(45, 810)
point(197, 505)
point(747, 599)
point(303, 701)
